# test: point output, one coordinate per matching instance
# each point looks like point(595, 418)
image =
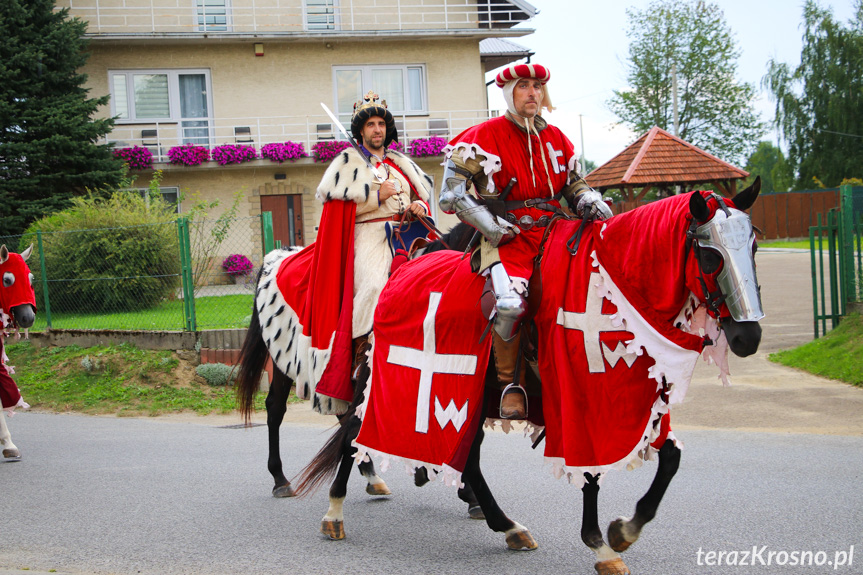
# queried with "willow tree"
point(819, 103)
point(688, 42)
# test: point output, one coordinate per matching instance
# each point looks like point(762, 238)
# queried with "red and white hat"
point(517, 71)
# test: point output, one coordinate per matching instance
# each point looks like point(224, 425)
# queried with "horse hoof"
point(521, 540)
point(11, 454)
point(333, 528)
point(616, 539)
point(614, 566)
point(283, 491)
point(475, 512)
point(378, 489)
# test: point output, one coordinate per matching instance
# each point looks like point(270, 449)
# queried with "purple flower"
point(328, 149)
point(397, 146)
point(188, 155)
point(237, 265)
point(427, 146)
point(233, 154)
point(280, 152)
point(136, 157)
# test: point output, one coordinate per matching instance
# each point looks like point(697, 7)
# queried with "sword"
point(353, 144)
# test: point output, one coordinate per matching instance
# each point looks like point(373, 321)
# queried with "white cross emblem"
point(590, 323)
point(554, 155)
point(429, 363)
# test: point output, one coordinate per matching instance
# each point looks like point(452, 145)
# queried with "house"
point(214, 72)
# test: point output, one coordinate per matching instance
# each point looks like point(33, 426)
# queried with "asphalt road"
point(772, 461)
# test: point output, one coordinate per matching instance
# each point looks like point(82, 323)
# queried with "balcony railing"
point(214, 18)
point(159, 137)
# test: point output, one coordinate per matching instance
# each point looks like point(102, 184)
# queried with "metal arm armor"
point(454, 199)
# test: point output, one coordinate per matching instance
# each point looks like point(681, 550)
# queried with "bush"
point(108, 254)
point(218, 373)
point(237, 265)
point(136, 157)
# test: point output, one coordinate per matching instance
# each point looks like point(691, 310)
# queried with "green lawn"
point(212, 312)
point(119, 379)
point(836, 355)
point(803, 244)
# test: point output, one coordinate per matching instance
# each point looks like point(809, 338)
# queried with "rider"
point(397, 186)
point(497, 177)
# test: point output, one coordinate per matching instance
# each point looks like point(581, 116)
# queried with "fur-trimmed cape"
point(308, 317)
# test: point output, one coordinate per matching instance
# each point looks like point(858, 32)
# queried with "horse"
point(18, 310)
point(252, 361)
point(695, 303)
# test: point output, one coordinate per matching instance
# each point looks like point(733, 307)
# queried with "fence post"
point(267, 232)
point(846, 245)
point(44, 278)
point(186, 274)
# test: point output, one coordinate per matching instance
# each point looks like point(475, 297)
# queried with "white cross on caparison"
point(429, 362)
point(590, 323)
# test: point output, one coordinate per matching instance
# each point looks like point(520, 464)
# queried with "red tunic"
point(506, 148)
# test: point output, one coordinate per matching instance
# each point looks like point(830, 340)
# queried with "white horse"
point(17, 310)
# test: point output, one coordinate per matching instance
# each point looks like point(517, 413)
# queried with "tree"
point(689, 39)
point(819, 104)
point(48, 150)
point(768, 161)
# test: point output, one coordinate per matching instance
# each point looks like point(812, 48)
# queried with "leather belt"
point(395, 218)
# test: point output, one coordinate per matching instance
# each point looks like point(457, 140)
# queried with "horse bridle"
point(714, 299)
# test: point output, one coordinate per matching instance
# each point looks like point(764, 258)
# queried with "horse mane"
point(457, 238)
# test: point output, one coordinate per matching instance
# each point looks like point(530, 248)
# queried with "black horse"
point(253, 359)
point(336, 458)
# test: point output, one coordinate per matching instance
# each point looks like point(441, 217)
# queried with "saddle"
point(407, 236)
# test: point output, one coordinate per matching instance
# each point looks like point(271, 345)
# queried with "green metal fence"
point(167, 276)
point(837, 260)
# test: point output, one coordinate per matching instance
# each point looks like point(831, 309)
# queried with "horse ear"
point(698, 207)
point(4, 254)
point(744, 200)
point(26, 253)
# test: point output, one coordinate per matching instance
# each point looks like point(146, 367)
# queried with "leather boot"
point(513, 400)
point(360, 346)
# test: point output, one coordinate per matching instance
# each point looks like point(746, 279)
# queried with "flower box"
point(284, 151)
point(188, 155)
point(233, 154)
point(136, 157)
point(237, 265)
point(328, 149)
point(432, 146)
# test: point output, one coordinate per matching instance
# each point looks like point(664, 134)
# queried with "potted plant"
point(283, 151)
point(422, 147)
point(328, 149)
point(233, 154)
point(136, 157)
point(238, 267)
point(188, 155)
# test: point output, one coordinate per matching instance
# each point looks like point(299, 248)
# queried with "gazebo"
point(661, 160)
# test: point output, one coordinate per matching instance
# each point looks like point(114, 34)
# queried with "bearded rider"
point(498, 174)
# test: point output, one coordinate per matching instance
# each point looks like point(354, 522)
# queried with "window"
point(212, 15)
point(403, 87)
point(172, 96)
point(320, 14)
point(170, 195)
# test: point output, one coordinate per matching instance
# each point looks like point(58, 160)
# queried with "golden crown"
point(370, 100)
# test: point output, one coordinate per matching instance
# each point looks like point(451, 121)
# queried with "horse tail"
point(324, 466)
point(253, 359)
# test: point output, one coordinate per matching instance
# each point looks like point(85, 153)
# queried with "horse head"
point(16, 287)
point(721, 269)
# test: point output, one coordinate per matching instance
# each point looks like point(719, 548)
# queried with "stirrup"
point(513, 388)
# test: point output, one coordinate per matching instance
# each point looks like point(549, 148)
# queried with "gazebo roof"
point(660, 158)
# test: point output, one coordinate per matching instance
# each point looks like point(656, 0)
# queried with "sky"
point(584, 45)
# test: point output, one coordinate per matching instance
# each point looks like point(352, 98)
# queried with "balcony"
point(191, 19)
point(159, 137)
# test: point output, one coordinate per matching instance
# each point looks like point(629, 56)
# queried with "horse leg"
point(333, 523)
point(467, 495)
point(623, 532)
point(376, 485)
point(276, 402)
point(517, 535)
point(9, 449)
point(608, 562)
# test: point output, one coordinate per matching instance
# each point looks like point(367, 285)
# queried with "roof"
point(497, 52)
point(658, 157)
